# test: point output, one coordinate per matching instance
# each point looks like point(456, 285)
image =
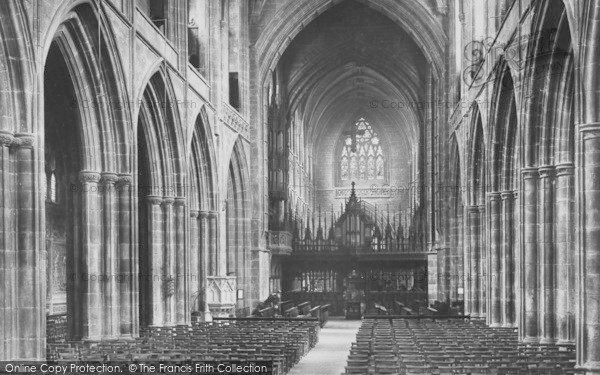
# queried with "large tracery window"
point(362, 155)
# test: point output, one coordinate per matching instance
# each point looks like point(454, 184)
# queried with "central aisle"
point(330, 354)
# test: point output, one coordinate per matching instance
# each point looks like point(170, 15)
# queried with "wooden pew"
point(292, 312)
point(399, 306)
point(304, 308)
point(267, 312)
point(324, 314)
point(316, 313)
point(285, 305)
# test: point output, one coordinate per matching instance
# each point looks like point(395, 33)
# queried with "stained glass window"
point(362, 156)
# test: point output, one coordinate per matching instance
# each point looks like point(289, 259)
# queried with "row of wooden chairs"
point(282, 341)
point(450, 346)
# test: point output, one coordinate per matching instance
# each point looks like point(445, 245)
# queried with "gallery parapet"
point(232, 118)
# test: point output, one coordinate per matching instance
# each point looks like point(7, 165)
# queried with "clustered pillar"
point(474, 272)
point(565, 256)
point(530, 269)
point(127, 256)
point(507, 260)
point(22, 261)
point(546, 253)
point(496, 274)
point(104, 286)
point(588, 352)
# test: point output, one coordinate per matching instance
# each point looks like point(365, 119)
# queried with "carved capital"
point(473, 209)
point(6, 138)
point(24, 140)
point(565, 169)
point(590, 130)
point(546, 171)
point(530, 173)
point(179, 201)
point(194, 214)
point(212, 214)
point(507, 195)
point(168, 201)
point(154, 199)
point(124, 179)
point(203, 215)
point(108, 178)
point(494, 196)
point(88, 177)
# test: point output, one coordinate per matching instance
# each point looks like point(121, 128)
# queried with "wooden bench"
point(267, 312)
point(304, 308)
point(315, 312)
point(324, 314)
point(285, 305)
point(292, 312)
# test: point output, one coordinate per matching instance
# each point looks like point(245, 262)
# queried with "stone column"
point(565, 256)
point(530, 286)
point(194, 285)
point(467, 261)
point(441, 275)
point(588, 335)
point(507, 258)
point(483, 265)
point(432, 276)
point(446, 274)
point(127, 261)
point(474, 224)
point(181, 282)
point(8, 266)
point(204, 260)
point(546, 253)
point(110, 292)
point(459, 276)
point(92, 307)
point(169, 260)
point(497, 273)
point(156, 247)
point(213, 239)
point(29, 315)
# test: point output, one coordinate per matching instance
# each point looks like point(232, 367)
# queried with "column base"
point(565, 342)
point(509, 325)
point(547, 341)
point(495, 325)
point(590, 367)
point(92, 338)
point(531, 340)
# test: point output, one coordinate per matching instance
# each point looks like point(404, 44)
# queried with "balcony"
point(233, 119)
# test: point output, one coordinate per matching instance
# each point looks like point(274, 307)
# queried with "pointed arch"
point(17, 57)
point(504, 156)
point(160, 131)
point(476, 181)
point(238, 223)
point(93, 134)
point(87, 44)
point(202, 174)
point(163, 297)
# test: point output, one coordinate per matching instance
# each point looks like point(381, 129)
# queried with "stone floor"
point(330, 354)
